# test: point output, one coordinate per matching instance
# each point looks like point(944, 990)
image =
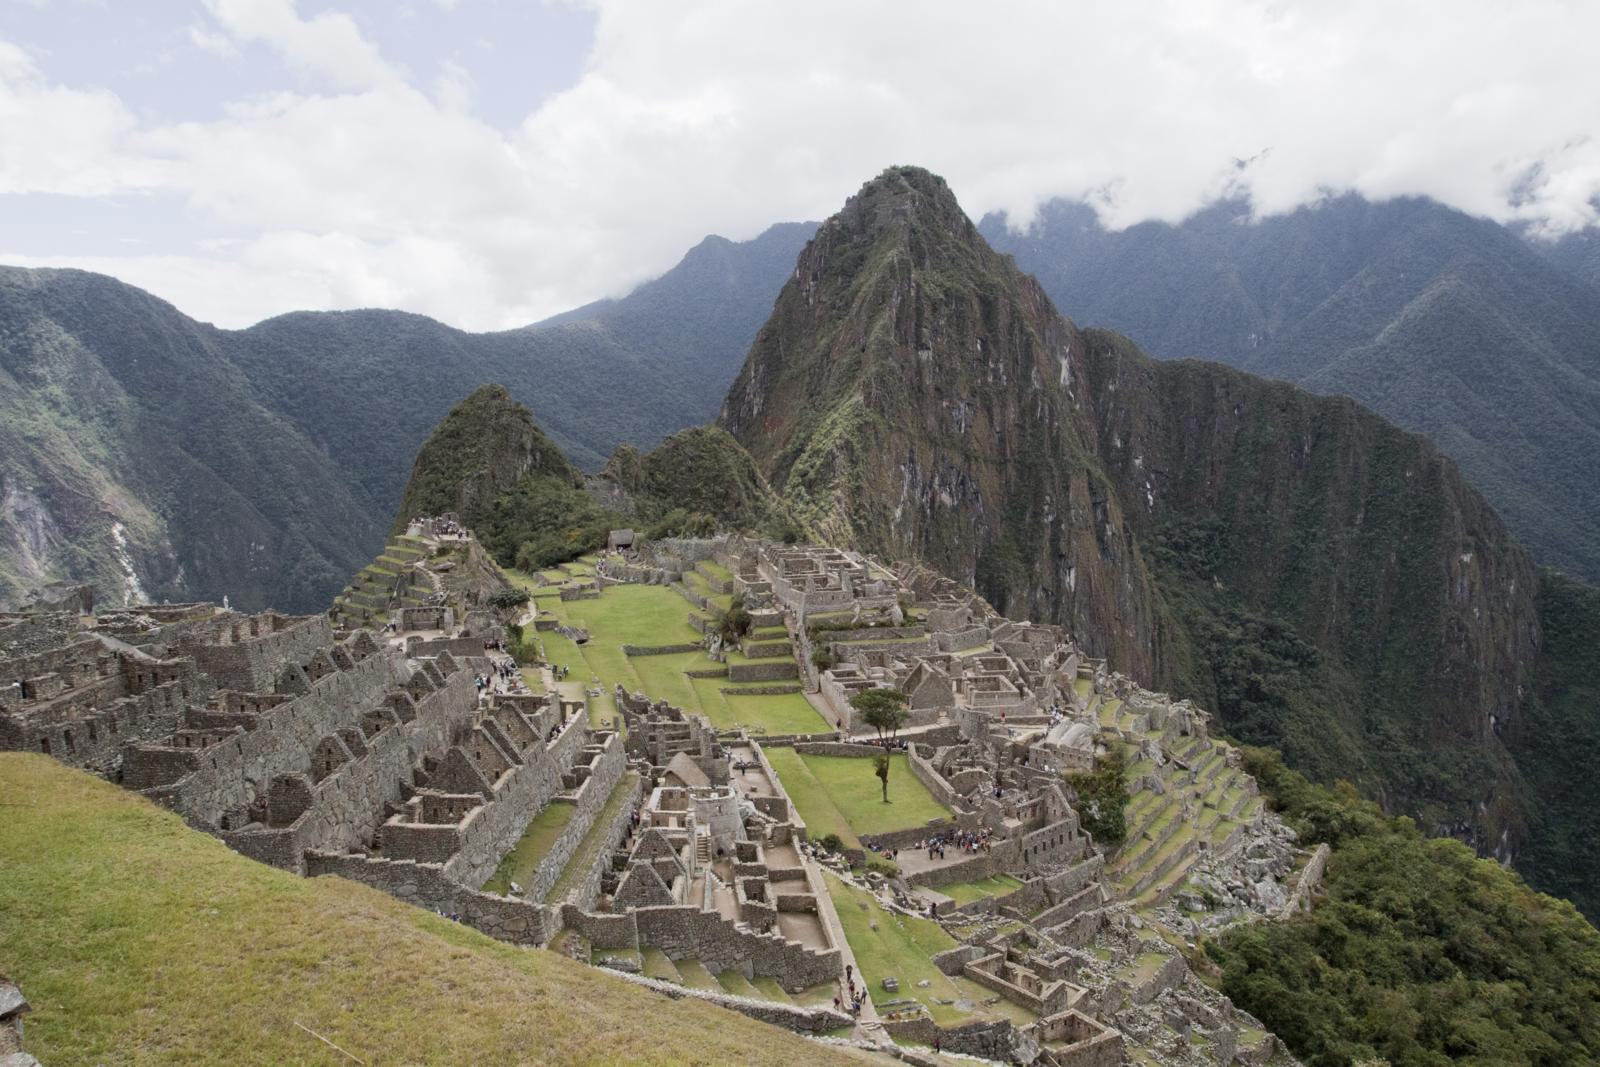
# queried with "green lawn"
point(900, 948)
point(141, 941)
point(523, 860)
point(842, 795)
point(967, 892)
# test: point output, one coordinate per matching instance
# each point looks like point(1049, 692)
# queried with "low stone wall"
point(720, 671)
point(791, 1017)
point(660, 650)
point(935, 782)
point(836, 748)
point(602, 930)
point(996, 1040)
point(763, 671)
point(898, 839)
point(683, 931)
point(1310, 878)
point(1168, 975)
point(427, 886)
point(760, 690)
point(964, 639)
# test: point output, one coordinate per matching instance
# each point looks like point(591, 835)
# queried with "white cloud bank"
point(361, 183)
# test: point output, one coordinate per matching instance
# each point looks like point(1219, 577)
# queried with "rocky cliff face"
point(1323, 578)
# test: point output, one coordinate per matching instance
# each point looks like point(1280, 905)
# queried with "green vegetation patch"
point(1420, 953)
point(843, 790)
point(901, 948)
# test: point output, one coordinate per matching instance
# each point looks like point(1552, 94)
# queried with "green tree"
point(882, 709)
point(1102, 797)
point(880, 767)
point(735, 623)
point(509, 599)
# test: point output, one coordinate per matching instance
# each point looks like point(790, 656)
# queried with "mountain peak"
point(901, 197)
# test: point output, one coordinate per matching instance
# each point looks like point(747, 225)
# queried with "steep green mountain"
point(1327, 582)
point(137, 445)
point(135, 455)
point(1576, 253)
point(490, 463)
point(1450, 325)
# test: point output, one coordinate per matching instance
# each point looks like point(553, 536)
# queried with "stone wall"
point(1310, 877)
point(610, 838)
point(522, 794)
point(816, 1020)
point(763, 670)
point(231, 775)
point(427, 886)
point(995, 1040)
point(591, 796)
point(252, 663)
point(683, 931)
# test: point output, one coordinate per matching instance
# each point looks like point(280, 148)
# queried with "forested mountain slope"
point(1453, 326)
point(265, 464)
point(1328, 582)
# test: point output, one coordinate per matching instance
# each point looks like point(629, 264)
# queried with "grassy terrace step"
point(525, 856)
point(656, 964)
point(695, 976)
point(583, 857)
point(737, 984)
point(160, 945)
point(767, 988)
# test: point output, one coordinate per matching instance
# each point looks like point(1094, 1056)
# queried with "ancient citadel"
point(394, 742)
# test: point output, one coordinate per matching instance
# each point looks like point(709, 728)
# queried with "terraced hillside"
point(394, 579)
point(218, 959)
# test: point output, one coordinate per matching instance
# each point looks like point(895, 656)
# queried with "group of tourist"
point(973, 841)
point(851, 998)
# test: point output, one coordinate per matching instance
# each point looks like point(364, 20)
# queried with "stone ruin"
point(335, 750)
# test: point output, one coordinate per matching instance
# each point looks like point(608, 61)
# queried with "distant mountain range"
point(1450, 325)
point(114, 400)
point(140, 446)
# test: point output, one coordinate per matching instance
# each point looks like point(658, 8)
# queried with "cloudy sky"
point(490, 162)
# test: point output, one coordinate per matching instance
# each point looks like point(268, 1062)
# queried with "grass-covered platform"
point(654, 616)
point(842, 795)
point(139, 940)
point(530, 850)
point(900, 947)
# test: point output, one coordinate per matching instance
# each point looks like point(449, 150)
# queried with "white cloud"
point(358, 185)
point(329, 45)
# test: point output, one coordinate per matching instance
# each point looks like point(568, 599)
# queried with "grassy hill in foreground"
point(139, 940)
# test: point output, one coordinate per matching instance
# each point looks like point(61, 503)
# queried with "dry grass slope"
point(139, 940)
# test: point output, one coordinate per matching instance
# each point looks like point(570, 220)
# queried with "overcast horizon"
point(490, 163)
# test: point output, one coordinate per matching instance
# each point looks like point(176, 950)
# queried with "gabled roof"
point(686, 771)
